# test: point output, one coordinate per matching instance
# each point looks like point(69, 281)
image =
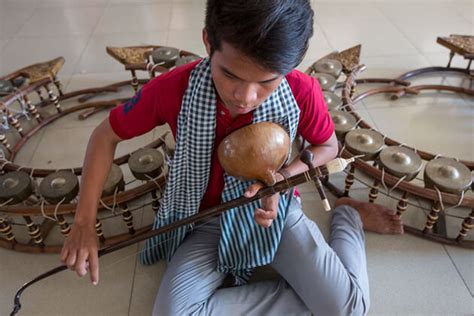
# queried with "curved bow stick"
point(336, 165)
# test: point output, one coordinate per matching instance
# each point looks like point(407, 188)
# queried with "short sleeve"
point(315, 124)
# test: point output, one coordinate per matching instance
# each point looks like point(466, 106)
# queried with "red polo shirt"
point(159, 102)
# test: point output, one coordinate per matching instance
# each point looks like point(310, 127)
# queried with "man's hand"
point(264, 216)
point(80, 249)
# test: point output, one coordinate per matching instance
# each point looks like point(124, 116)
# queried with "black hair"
point(274, 33)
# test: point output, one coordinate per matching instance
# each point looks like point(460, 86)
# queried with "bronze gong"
point(328, 66)
point(400, 162)
point(333, 101)
point(16, 185)
point(256, 151)
point(343, 122)
point(448, 175)
point(165, 56)
point(326, 81)
point(186, 60)
point(146, 163)
point(59, 185)
point(114, 180)
point(365, 142)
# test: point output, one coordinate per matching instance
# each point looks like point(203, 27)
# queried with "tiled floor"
point(408, 275)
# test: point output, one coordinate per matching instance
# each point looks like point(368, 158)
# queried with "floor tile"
point(392, 66)
point(12, 19)
point(111, 296)
point(350, 12)
point(463, 260)
point(187, 16)
point(378, 36)
point(139, 18)
point(422, 30)
point(96, 60)
point(190, 40)
point(145, 287)
point(18, 52)
point(418, 119)
point(71, 3)
point(62, 21)
point(405, 274)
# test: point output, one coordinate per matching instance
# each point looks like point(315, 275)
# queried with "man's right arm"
point(80, 248)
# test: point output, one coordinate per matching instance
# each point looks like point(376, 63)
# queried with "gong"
point(448, 175)
point(333, 101)
point(186, 60)
point(6, 87)
point(16, 185)
point(165, 56)
point(59, 186)
point(365, 142)
point(146, 163)
point(114, 180)
point(343, 122)
point(326, 81)
point(400, 162)
point(328, 66)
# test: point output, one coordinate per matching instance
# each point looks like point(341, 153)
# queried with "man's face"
point(241, 83)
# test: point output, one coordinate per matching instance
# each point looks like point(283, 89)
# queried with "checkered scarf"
point(244, 244)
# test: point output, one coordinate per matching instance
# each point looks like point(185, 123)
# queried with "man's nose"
point(246, 94)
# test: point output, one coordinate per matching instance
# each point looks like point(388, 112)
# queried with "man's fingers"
point(94, 267)
point(264, 218)
point(71, 260)
point(81, 263)
point(63, 256)
point(272, 214)
point(252, 190)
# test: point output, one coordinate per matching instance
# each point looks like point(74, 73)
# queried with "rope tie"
point(389, 191)
point(151, 66)
point(112, 209)
point(440, 199)
point(5, 162)
point(155, 182)
point(55, 219)
point(6, 203)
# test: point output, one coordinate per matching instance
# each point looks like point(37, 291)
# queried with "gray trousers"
point(317, 278)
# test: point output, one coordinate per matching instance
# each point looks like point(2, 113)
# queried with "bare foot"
point(375, 217)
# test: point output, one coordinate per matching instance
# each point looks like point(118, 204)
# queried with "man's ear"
point(205, 40)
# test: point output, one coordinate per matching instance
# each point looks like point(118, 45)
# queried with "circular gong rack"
point(33, 220)
point(368, 174)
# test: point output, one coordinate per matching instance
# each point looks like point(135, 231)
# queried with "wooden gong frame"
point(398, 88)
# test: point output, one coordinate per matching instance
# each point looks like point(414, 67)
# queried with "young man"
point(253, 47)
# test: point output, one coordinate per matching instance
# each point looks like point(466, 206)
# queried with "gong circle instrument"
point(365, 142)
point(59, 186)
point(343, 122)
point(146, 163)
point(333, 101)
point(6, 87)
point(328, 66)
point(114, 181)
point(326, 81)
point(183, 60)
point(400, 162)
point(448, 175)
point(445, 175)
point(256, 151)
point(165, 56)
point(15, 187)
